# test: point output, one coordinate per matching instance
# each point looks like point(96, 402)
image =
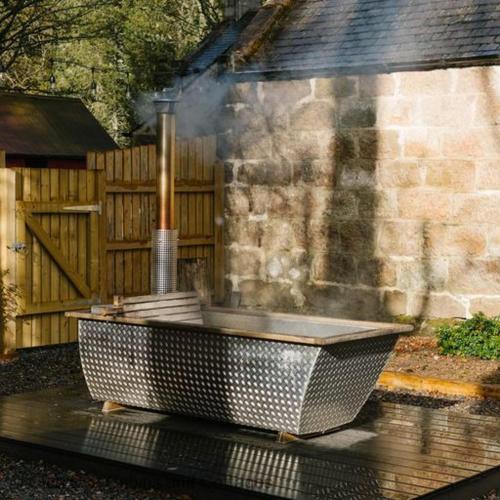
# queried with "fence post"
point(8, 189)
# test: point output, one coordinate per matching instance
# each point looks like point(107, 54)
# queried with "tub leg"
point(286, 437)
point(110, 406)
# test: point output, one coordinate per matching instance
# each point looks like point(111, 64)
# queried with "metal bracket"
point(17, 247)
point(84, 208)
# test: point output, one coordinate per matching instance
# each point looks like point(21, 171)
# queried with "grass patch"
point(477, 337)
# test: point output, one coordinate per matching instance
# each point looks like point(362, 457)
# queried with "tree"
point(132, 46)
point(27, 26)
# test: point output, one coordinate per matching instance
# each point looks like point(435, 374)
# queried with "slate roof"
point(49, 126)
point(318, 34)
point(215, 45)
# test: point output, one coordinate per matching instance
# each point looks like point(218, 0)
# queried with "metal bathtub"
point(283, 372)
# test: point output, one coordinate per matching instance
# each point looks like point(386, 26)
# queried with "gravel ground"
point(41, 368)
point(419, 355)
point(24, 480)
point(464, 405)
point(56, 366)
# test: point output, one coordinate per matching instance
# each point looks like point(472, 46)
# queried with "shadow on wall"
point(346, 271)
point(341, 202)
point(302, 225)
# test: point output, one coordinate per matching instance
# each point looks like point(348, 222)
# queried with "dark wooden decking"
point(391, 451)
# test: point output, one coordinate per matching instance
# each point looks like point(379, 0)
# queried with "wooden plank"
point(91, 160)
point(64, 263)
point(46, 261)
point(83, 245)
point(8, 260)
point(131, 187)
point(166, 311)
point(55, 278)
point(182, 220)
point(109, 165)
point(114, 246)
point(58, 306)
point(195, 188)
point(144, 230)
point(161, 304)
point(118, 199)
point(126, 277)
point(95, 267)
point(58, 207)
point(34, 176)
point(219, 273)
point(64, 244)
point(72, 255)
point(110, 276)
point(157, 297)
point(208, 206)
point(92, 178)
point(100, 183)
point(64, 284)
point(152, 177)
point(105, 310)
point(199, 196)
point(136, 221)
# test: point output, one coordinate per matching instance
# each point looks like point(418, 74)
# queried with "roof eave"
point(358, 69)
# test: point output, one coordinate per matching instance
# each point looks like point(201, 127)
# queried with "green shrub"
point(478, 336)
point(8, 296)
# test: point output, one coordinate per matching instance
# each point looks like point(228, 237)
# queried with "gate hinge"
point(17, 246)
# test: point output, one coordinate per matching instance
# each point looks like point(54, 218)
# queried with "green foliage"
point(132, 44)
point(8, 295)
point(406, 320)
point(477, 337)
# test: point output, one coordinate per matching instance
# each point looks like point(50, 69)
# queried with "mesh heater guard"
point(164, 261)
point(281, 386)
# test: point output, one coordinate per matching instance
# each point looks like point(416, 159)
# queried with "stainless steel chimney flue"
point(165, 237)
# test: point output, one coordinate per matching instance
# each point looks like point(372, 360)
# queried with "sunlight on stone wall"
point(367, 196)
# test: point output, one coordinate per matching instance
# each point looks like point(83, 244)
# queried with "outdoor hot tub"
point(283, 372)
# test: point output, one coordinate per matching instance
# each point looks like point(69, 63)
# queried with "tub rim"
point(370, 329)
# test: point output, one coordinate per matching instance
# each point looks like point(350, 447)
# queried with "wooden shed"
point(48, 131)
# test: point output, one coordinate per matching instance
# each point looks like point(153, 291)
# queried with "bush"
point(8, 296)
point(478, 336)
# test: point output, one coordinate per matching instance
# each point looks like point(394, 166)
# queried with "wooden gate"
point(53, 249)
point(71, 238)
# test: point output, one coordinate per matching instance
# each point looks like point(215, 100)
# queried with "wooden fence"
point(71, 238)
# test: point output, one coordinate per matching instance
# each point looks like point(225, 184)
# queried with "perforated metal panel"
point(296, 388)
point(164, 261)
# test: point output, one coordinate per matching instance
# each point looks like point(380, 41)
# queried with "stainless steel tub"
point(282, 372)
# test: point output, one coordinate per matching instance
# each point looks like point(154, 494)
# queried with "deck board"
point(391, 451)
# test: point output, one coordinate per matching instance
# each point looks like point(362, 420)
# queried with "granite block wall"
point(365, 196)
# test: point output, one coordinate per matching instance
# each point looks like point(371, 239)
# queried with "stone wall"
point(366, 197)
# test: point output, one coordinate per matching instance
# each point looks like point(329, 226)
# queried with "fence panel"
point(130, 211)
point(71, 238)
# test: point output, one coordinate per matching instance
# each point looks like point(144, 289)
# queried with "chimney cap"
point(166, 99)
